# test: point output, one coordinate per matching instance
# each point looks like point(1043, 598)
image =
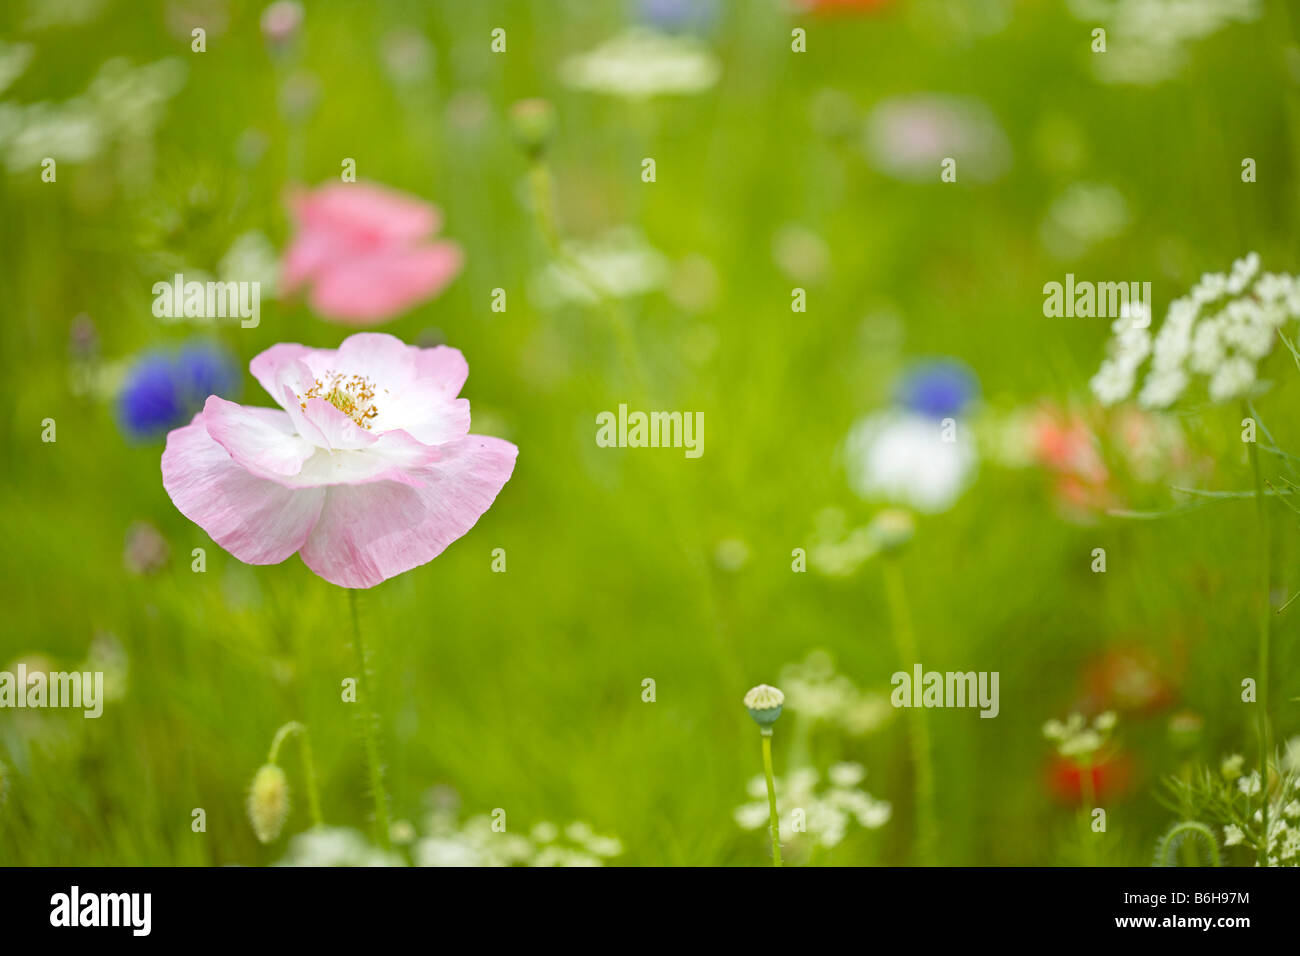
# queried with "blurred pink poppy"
point(366, 252)
point(366, 471)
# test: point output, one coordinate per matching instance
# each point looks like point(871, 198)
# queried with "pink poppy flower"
point(366, 252)
point(367, 469)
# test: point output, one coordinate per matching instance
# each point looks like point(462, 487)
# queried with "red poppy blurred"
point(1111, 774)
point(1064, 444)
point(1128, 679)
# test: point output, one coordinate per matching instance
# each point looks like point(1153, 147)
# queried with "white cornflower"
point(1220, 330)
point(1232, 835)
point(906, 458)
point(1249, 784)
point(643, 63)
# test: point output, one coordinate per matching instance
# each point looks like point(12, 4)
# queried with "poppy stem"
point(308, 764)
point(918, 731)
point(774, 820)
point(369, 721)
point(543, 192)
point(1265, 627)
point(1088, 797)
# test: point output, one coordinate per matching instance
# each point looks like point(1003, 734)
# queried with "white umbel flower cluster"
point(643, 63)
point(1220, 330)
point(811, 815)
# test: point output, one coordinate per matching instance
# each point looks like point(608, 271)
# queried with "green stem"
point(918, 730)
point(1175, 838)
point(1088, 792)
point(1265, 627)
point(308, 764)
point(369, 720)
point(774, 820)
point(539, 180)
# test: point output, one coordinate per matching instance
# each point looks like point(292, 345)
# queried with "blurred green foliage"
point(522, 690)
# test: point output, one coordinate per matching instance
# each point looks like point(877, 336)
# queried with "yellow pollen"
point(353, 395)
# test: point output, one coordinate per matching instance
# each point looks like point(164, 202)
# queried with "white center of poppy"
point(353, 395)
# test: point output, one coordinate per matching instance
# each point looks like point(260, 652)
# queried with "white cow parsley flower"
point(1220, 331)
point(810, 816)
point(643, 63)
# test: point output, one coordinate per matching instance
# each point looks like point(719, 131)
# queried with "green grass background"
point(523, 690)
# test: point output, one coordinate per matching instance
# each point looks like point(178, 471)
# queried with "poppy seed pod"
point(892, 529)
point(764, 704)
point(268, 802)
point(532, 123)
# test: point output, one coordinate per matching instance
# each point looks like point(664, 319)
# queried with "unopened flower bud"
point(1185, 729)
point(892, 529)
point(1231, 767)
point(533, 124)
point(764, 704)
point(268, 802)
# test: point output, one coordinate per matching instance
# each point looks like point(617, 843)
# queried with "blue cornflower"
point(165, 390)
point(205, 369)
point(678, 14)
point(937, 389)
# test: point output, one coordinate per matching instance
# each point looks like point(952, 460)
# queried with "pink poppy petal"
point(307, 255)
point(268, 368)
point(368, 533)
point(256, 520)
point(262, 440)
point(445, 366)
point(340, 432)
point(412, 393)
point(365, 212)
point(392, 458)
point(371, 288)
point(380, 357)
